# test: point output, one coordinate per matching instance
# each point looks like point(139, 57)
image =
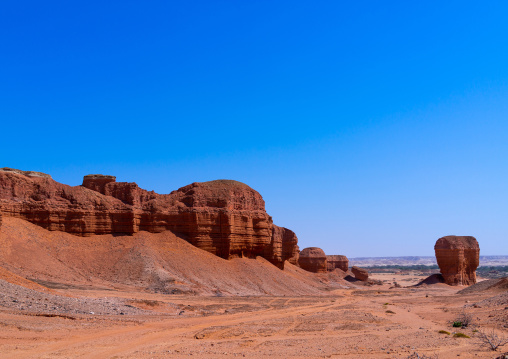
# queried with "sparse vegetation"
point(444, 332)
point(485, 272)
point(492, 272)
point(463, 320)
point(461, 335)
point(390, 312)
point(492, 339)
point(391, 268)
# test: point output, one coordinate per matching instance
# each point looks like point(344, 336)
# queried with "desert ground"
point(243, 307)
point(374, 322)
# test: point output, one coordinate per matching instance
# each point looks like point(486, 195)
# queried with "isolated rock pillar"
point(458, 257)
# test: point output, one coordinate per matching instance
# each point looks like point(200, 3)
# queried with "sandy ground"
point(374, 322)
point(155, 296)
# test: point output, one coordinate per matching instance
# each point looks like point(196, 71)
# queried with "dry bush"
point(492, 339)
point(463, 320)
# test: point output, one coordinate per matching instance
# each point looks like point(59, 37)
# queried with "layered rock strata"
point(224, 217)
point(458, 257)
point(360, 273)
point(313, 259)
point(337, 261)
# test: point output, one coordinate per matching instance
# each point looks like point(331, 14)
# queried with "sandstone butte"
point(457, 258)
point(313, 259)
point(224, 217)
point(337, 261)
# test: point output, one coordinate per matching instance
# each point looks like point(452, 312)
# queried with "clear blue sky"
point(370, 128)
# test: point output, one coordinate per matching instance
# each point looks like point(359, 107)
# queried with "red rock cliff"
point(224, 217)
point(458, 257)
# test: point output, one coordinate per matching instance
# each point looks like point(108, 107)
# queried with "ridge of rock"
point(25, 173)
point(224, 217)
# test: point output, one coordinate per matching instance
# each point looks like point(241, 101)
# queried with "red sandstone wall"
point(224, 217)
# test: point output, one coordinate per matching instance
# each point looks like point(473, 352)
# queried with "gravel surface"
point(20, 298)
point(490, 284)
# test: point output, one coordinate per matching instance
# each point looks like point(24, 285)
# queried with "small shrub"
point(444, 332)
point(465, 319)
point(457, 324)
point(390, 312)
point(492, 339)
point(461, 335)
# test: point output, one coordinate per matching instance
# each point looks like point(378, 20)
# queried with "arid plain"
point(326, 316)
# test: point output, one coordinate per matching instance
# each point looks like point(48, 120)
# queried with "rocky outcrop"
point(458, 257)
point(313, 259)
point(360, 273)
point(337, 261)
point(224, 217)
point(284, 246)
point(25, 173)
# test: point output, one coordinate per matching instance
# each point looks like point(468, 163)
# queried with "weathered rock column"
point(458, 257)
point(313, 259)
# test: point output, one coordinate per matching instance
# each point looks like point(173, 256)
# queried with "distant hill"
point(415, 260)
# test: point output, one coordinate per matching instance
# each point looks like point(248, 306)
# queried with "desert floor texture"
point(55, 304)
point(375, 322)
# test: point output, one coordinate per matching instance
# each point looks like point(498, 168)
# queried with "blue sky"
point(370, 128)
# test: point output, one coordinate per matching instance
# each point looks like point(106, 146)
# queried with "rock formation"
point(224, 217)
point(360, 273)
point(313, 259)
point(336, 261)
point(458, 257)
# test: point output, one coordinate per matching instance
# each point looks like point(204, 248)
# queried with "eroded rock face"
point(284, 246)
point(337, 261)
point(313, 259)
point(360, 273)
point(224, 217)
point(458, 257)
